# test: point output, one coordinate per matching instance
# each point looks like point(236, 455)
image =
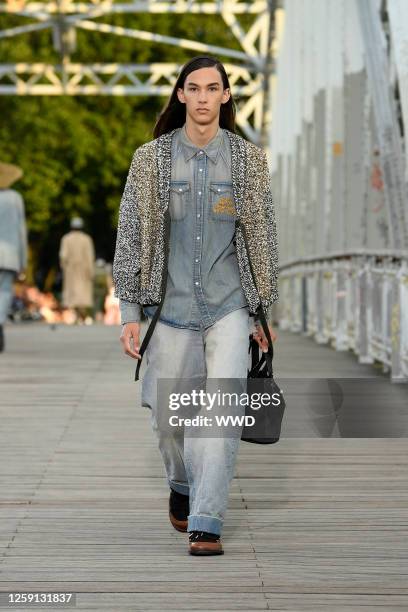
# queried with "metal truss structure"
point(247, 71)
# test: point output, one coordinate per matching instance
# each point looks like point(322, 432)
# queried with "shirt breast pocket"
point(222, 206)
point(179, 199)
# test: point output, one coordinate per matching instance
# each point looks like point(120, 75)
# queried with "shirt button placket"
point(201, 161)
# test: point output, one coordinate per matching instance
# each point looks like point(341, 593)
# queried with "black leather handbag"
point(268, 418)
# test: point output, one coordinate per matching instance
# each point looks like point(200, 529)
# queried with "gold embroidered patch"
point(224, 205)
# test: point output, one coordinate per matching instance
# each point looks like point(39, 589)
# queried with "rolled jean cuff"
point(184, 489)
point(198, 522)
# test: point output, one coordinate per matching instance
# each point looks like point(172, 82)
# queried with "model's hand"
point(259, 336)
point(130, 334)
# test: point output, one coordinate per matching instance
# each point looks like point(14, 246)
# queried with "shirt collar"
point(211, 149)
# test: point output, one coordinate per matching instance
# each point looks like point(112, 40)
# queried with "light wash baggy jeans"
point(201, 467)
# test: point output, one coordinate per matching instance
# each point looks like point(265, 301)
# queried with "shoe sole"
point(205, 553)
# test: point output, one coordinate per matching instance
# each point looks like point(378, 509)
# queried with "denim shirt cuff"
point(130, 312)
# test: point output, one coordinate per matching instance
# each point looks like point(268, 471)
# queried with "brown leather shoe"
point(179, 525)
point(178, 510)
point(204, 543)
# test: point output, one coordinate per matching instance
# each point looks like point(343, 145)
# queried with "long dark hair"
point(174, 113)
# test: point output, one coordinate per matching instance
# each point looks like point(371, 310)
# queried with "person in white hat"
point(13, 239)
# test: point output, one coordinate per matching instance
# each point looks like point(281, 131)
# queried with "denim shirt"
point(203, 281)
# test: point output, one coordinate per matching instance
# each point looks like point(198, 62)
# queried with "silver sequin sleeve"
point(126, 262)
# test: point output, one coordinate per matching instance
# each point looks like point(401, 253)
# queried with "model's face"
point(203, 95)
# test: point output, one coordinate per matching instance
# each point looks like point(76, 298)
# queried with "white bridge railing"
point(351, 301)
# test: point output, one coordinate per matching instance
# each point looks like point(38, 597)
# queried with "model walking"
point(179, 237)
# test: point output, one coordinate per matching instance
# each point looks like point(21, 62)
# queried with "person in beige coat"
point(77, 260)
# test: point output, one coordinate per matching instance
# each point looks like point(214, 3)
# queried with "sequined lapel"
point(163, 158)
point(238, 170)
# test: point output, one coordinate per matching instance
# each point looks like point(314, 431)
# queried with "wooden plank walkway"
point(313, 523)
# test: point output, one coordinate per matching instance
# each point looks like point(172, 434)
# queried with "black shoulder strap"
point(155, 318)
point(260, 310)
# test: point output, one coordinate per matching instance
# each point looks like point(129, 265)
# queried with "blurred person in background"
point(112, 310)
point(101, 288)
point(77, 261)
point(13, 239)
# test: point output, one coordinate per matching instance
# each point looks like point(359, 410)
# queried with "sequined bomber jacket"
point(140, 254)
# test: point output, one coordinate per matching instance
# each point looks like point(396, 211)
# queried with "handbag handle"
point(256, 362)
point(259, 310)
point(253, 348)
